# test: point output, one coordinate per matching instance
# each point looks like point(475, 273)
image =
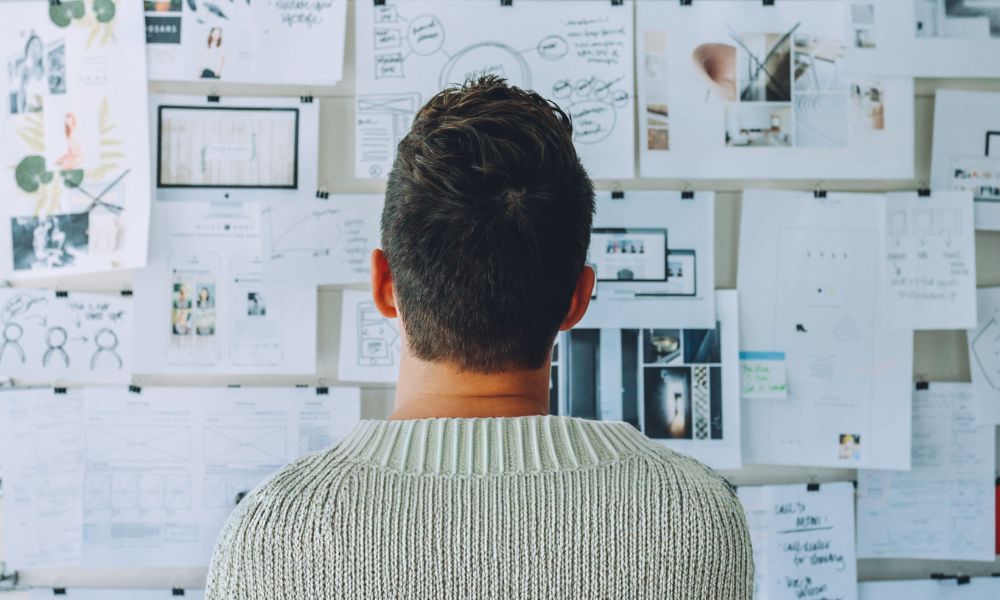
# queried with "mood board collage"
point(215, 209)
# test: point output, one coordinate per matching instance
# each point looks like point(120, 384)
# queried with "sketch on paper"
point(321, 242)
point(245, 42)
point(77, 127)
point(68, 338)
point(582, 62)
point(370, 344)
point(764, 91)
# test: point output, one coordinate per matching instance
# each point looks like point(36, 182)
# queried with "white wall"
point(939, 356)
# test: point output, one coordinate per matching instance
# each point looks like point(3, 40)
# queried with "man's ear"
point(382, 292)
point(581, 298)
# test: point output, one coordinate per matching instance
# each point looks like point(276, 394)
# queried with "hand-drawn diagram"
point(251, 444)
point(138, 444)
point(378, 338)
point(578, 55)
point(51, 336)
point(130, 491)
point(322, 242)
point(78, 139)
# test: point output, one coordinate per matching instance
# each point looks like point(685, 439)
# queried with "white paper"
point(803, 541)
point(763, 376)
point(966, 153)
point(369, 343)
point(75, 150)
point(270, 41)
point(164, 466)
point(116, 594)
point(204, 305)
point(930, 261)
point(578, 53)
point(810, 287)
point(321, 242)
point(978, 588)
point(733, 89)
point(944, 507)
point(637, 286)
point(927, 38)
point(42, 444)
point(678, 386)
point(234, 149)
point(76, 338)
point(984, 356)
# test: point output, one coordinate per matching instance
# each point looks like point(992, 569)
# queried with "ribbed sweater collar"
point(491, 445)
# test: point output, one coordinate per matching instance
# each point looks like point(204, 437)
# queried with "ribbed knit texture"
point(466, 509)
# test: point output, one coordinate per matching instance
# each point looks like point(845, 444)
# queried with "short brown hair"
point(486, 226)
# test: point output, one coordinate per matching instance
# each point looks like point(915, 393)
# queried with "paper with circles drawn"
point(577, 53)
point(369, 343)
point(731, 89)
point(263, 42)
point(77, 338)
point(75, 151)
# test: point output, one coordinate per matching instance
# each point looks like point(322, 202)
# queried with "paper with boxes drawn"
point(75, 150)
point(576, 52)
point(743, 90)
point(369, 343)
point(120, 478)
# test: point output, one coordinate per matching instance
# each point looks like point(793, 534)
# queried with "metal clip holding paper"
point(920, 382)
point(212, 99)
point(686, 2)
point(960, 579)
point(8, 579)
point(618, 194)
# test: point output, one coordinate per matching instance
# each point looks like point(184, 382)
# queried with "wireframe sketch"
point(155, 443)
point(378, 338)
point(985, 347)
point(579, 55)
point(255, 445)
point(72, 338)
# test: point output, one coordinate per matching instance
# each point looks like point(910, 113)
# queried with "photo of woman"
point(214, 58)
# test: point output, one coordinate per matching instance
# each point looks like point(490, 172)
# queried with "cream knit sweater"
point(468, 509)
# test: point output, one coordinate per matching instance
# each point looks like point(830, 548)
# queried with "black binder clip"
point(62, 294)
point(322, 391)
point(922, 385)
point(379, 2)
point(59, 390)
point(213, 99)
point(177, 592)
point(924, 192)
point(233, 386)
point(963, 579)
point(819, 193)
point(306, 99)
point(768, 2)
point(126, 293)
point(617, 2)
point(58, 591)
point(687, 195)
point(322, 194)
point(506, 2)
point(618, 195)
point(812, 487)
point(135, 389)
point(685, 2)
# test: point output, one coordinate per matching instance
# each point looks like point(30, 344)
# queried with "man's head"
point(485, 230)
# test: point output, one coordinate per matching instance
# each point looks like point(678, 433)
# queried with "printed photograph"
point(850, 446)
point(49, 242)
point(717, 64)
point(703, 346)
point(868, 106)
point(256, 307)
point(181, 313)
point(821, 120)
point(819, 64)
point(660, 346)
point(162, 5)
point(57, 68)
point(764, 66)
point(971, 19)
point(26, 78)
point(667, 402)
point(758, 125)
point(205, 312)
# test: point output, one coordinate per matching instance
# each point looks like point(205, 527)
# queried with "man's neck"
point(435, 390)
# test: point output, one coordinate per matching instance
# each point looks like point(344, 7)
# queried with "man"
point(469, 491)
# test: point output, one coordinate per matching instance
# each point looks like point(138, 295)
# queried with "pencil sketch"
point(78, 337)
point(378, 338)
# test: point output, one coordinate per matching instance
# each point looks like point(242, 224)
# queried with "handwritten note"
point(930, 261)
point(944, 507)
point(763, 376)
point(803, 541)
